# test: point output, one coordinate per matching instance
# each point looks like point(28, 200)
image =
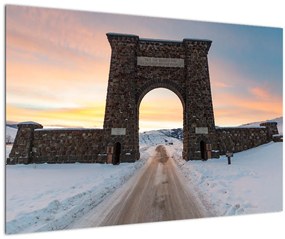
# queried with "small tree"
point(8, 139)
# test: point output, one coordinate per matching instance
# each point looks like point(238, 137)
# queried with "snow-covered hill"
point(279, 121)
point(10, 134)
point(156, 137)
point(174, 133)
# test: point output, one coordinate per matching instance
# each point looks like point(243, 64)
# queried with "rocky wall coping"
point(29, 123)
point(197, 40)
point(251, 127)
point(68, 129)
point(115, 34)
point(148, 40)
point(242, 127)
point(269, 123)
point(118, 35)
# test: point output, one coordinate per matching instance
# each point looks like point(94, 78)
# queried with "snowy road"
point(156, 193)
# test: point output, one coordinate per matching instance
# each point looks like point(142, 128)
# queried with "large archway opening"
point(160, 114)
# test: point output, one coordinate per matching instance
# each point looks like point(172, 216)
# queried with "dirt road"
point(156, 193)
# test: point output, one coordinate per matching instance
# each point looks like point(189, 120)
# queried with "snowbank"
point(50, 197)
point(251, 184)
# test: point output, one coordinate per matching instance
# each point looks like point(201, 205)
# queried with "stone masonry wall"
point(68, 146)
point(120, 104)
point(239, 139)
point(21, 151)
point(36, 145)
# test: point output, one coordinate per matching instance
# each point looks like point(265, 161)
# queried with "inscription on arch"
point(160, 61)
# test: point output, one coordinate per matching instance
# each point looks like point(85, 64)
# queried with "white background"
point(264, 13)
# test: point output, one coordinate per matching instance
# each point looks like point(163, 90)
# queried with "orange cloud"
point(55, 59)
point(259, 92)
point(46, 29)
point(219, 84)
point(224, 75)
point(239, 99)
point(235, 110)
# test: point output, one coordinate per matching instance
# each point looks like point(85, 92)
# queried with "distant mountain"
point(12, 126)
point(175, 133)
point(156, 137)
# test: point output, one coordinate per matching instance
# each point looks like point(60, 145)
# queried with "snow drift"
point(46, 197)
point(251, 184)
point(50, 197)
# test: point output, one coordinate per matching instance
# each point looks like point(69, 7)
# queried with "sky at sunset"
point(57, 66)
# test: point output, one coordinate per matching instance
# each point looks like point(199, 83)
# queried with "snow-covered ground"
point(47, 197)
point(43, 197)
point(251, 184)
point(50, 197)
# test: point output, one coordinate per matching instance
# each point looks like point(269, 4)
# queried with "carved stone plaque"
point(162, 62)
point(201, 130)
point(118, 131)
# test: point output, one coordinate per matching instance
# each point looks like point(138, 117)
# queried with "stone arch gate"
point(137, 67)
point(140, 65)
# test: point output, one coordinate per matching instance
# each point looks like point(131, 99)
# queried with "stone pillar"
point(121, 109)
point(271, 128)
point(22, 147)
point(199, 108)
